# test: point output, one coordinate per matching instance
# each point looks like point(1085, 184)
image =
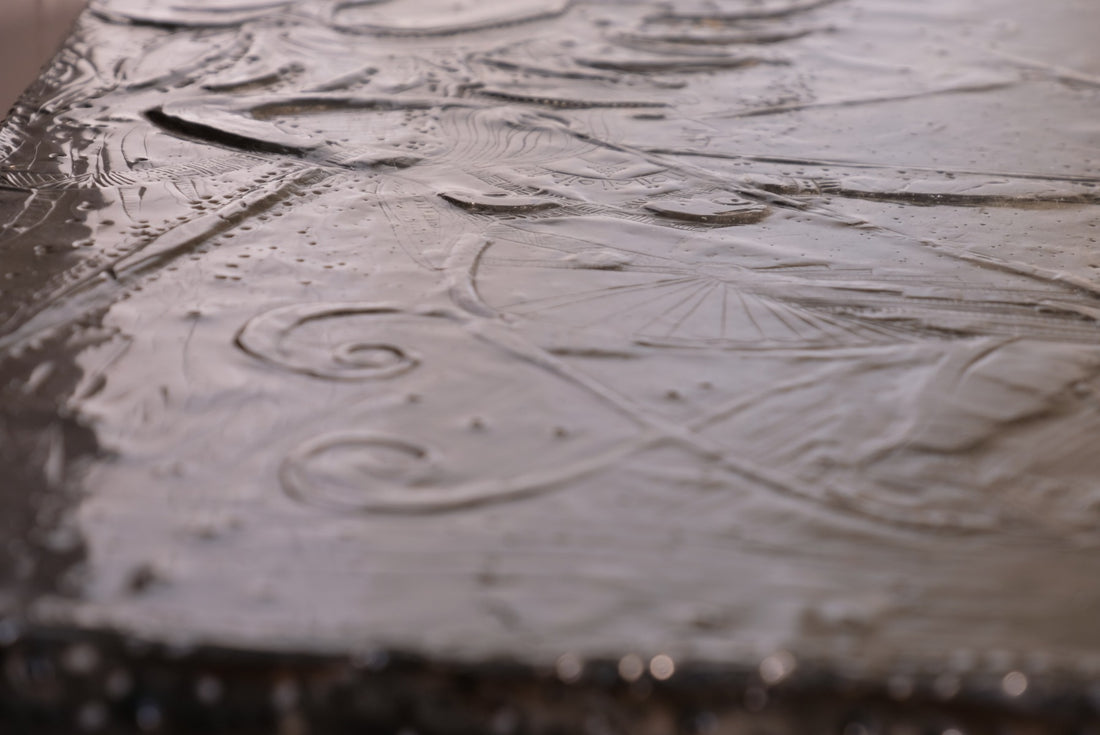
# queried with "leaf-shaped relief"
point(261, 124)
point(499, 201)
point(693, 38)
point(194, 13)
point(713, 210)
point(439, 17)
point(737, 11)
point(631, 62)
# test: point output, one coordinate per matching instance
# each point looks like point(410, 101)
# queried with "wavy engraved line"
point(944, 190)
point(941, 192)
point(246, 81)
point(505, 64)
point(659, 431)
point(505, 133)
point(847, 163)
point(1061, 73)
point(1036, 319)
point(825, 496)
point(864, 101)
point(650, 42)
point(934, 199)
point(783, 10)
point(564, 103)
point(681, 65)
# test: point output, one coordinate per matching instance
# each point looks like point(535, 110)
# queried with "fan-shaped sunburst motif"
point(686, 300)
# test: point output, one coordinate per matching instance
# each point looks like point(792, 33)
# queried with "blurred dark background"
point(31, 31)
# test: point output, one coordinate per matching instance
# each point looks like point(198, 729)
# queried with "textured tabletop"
point(715, 331)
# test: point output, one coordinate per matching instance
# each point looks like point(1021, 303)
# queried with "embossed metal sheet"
point(702, 330)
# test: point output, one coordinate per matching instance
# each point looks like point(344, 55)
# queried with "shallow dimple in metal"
point(703, 331)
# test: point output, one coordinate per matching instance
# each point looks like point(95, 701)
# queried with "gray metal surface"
point(757, 335)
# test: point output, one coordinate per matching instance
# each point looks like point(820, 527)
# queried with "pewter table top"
point(719, 331)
